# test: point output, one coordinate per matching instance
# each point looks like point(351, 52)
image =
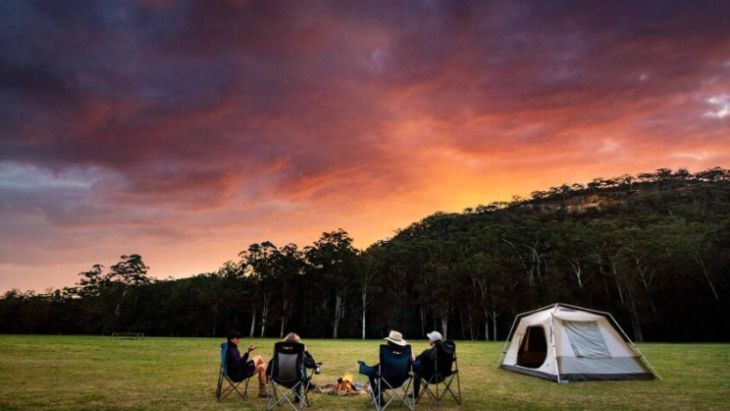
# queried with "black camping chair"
point(287, 371)
point(394, 378)
point(443, 370)
point(233, 384)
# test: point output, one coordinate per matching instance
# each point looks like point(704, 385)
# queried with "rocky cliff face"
point(582, 203)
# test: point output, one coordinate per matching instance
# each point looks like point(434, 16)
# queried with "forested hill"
point(653, 249)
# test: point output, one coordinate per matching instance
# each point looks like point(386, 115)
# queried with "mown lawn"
point(75, 372)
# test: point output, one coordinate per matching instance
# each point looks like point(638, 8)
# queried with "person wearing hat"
point(423, 366)
point(240, 367)
point(394, 339)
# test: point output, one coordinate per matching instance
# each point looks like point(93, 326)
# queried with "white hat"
point(434, 336)
point(396, 338)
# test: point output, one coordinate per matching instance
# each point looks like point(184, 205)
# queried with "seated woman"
point(308, 358)
point(240, 367)
point(394, 339)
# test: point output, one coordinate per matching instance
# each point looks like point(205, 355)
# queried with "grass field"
point(180, 373)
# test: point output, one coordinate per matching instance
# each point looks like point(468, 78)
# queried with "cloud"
point(186, 130)
point(720, 106)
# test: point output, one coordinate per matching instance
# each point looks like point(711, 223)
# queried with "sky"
point(186, 130)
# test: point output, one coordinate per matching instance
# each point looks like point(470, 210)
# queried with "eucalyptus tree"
point(128, 273)
point(258, 262)
point(288, 267)
point(334, 256)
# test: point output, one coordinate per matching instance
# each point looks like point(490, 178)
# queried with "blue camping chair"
point(287, 372)
point(221, 392)
point(394, 377)
point(443, 369)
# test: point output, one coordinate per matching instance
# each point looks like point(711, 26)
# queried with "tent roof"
point(605, 314)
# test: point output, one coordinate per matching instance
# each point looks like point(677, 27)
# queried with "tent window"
point(533, 348)
point(586, 339)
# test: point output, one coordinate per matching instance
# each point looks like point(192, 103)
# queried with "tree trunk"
point(461, 321)
point(445, 324)
point(486, 324)
point(253, 324)
point(494, 324)
point(338, 309)
point(364, 310)
point(641, 270)
point(635, 324)
point(264, 313)
point(423, 320)
point(618, 282)
point(577, 271)
point(118, 308)
point(283, 319)
point(701, 262)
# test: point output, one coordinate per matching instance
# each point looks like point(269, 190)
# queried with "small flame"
point(344, 385)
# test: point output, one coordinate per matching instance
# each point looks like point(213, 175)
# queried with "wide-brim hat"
point(396, 338)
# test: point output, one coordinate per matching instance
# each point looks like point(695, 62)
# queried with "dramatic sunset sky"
point(184, 131)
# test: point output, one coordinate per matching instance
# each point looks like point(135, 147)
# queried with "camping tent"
point(568, 343)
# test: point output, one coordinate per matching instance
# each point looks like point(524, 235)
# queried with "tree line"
point(653, 249)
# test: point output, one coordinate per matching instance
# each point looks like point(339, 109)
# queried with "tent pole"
point(507, 341)
point(555, 351)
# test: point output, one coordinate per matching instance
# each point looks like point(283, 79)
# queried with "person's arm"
point(309, 360)
point(235, 357)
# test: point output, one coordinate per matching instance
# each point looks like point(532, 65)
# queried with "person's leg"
point(261, 371)
point(416, 380)
point(372, 373)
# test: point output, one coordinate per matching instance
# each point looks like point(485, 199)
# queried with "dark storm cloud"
point(142, 114)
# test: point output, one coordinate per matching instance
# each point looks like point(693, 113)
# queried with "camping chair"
point(287, 371)
point(395, 373)
point(220, 392)
point(444, 369)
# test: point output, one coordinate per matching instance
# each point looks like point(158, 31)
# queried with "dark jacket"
point(427, 360)
point(235, 363)
point(309, 360)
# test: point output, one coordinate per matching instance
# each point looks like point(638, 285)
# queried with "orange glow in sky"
point(186, 131)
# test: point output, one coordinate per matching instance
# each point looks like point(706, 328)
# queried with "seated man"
point(240, 367)
point(394, 339)
point(424, 364)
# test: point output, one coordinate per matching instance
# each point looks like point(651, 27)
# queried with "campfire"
point(344, 384)
point(345, 387)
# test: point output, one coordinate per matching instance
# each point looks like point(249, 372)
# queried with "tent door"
point(533, 348)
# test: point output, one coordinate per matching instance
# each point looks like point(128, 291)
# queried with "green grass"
point(180, 373)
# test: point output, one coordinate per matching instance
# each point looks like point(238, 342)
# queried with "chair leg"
point(449, 390)
point(426, 390)
point(218, 387)
point(272, 395)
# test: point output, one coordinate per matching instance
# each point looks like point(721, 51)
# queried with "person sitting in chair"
point(240, 367)
point(424, 365)
point(308, 361)
point(308, 358)
point(394, 339)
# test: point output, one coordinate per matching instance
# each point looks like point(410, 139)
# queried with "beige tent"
point(567, 343)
